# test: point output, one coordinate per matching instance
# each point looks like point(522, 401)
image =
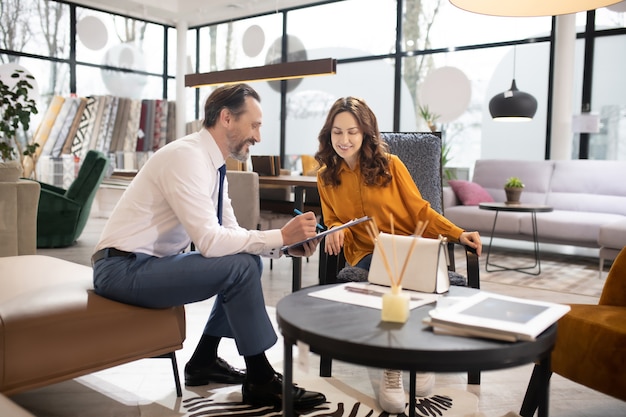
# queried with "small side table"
point(533, 209)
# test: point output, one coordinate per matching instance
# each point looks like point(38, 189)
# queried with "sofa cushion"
point(563, 226)
point(613, 234)
point(473, 218)
point(589, 185)
point(536, 175)
point(470, 193)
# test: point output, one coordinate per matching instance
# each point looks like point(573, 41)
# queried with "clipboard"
point(327, 232)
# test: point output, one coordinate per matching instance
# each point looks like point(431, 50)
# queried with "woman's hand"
point(334, 243)
point(472, 239)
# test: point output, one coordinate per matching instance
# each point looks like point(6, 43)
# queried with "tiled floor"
point(116, 389)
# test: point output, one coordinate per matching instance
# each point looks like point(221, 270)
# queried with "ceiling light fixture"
point(530, 7)
point(272, 72)
point(513, 105)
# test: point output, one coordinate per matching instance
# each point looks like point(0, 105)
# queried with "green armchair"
point(62, 214)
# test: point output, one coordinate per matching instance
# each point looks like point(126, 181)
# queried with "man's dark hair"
point(231, 97)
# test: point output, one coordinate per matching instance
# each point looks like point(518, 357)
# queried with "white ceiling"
point(193, 12)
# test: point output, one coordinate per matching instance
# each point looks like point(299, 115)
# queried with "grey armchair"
point(421, 153)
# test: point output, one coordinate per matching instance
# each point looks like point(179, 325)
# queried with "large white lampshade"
point(530, 7)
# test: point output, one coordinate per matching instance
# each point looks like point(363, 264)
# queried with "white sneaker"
point(391, 396)
point(424, 384)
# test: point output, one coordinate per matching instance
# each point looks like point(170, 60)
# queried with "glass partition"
point(609, 99)
point(125, 57)
point(611, 17)
point(240, 44)
point(309, 102)
point(439, 24)
point(355, 27)
point(35, 27)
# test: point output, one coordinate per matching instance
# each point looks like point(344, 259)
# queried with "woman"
point(360, 178)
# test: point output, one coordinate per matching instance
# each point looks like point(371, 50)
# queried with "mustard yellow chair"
point(590, 346)
point(309, 165)
point(591, 340)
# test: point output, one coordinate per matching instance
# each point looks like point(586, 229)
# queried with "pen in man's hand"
point(318, 226)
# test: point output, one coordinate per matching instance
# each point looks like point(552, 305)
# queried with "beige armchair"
point(18, 217)
point(243, 190)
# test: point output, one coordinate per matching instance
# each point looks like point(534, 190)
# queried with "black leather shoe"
point(219, 371)
point(271, 393)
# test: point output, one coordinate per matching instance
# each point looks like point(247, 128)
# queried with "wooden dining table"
point(300, 184)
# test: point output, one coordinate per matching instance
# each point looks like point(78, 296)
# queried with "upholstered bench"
point(53, 327)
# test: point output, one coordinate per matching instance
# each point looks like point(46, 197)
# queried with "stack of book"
point(494, 316)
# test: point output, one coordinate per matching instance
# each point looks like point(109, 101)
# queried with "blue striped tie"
point(220, 196)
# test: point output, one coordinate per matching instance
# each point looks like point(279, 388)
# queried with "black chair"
point(421, 153)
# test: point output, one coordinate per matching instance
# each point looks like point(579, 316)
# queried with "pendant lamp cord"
point(514, 59)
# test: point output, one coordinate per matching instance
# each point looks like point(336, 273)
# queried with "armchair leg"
point(329, 266)
point(326, 365)
point(172, 357)
point(473, 268)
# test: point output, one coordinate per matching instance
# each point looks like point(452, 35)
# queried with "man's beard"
point(241, 152)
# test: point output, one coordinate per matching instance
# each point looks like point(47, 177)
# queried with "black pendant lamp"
point(513, 105)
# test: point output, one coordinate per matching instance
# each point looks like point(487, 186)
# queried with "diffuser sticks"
point(395, 303)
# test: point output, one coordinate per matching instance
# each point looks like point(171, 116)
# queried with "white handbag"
point(426, 269)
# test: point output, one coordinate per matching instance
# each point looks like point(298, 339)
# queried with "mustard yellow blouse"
point(353, 199)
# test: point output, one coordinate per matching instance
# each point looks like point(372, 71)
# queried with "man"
point(174, 200)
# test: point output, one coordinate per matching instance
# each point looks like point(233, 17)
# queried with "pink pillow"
point(470, 193)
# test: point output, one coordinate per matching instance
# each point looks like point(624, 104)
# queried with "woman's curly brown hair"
point(373, 158)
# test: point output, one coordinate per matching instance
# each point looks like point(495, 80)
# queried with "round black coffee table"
point(355, 334)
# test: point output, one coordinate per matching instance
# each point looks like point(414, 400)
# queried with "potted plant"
point(16, 109)
point(513, 189)
point(429, 117)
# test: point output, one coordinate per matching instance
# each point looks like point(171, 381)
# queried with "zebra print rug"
point(97, 397)
point(343, 400)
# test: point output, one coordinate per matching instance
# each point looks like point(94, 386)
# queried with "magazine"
point(495, 316)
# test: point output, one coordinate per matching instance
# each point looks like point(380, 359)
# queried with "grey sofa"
point(588, 197)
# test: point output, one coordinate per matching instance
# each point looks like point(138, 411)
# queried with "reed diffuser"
point(396, 302)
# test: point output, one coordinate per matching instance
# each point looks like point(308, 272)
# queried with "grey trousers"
point(239, 309)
